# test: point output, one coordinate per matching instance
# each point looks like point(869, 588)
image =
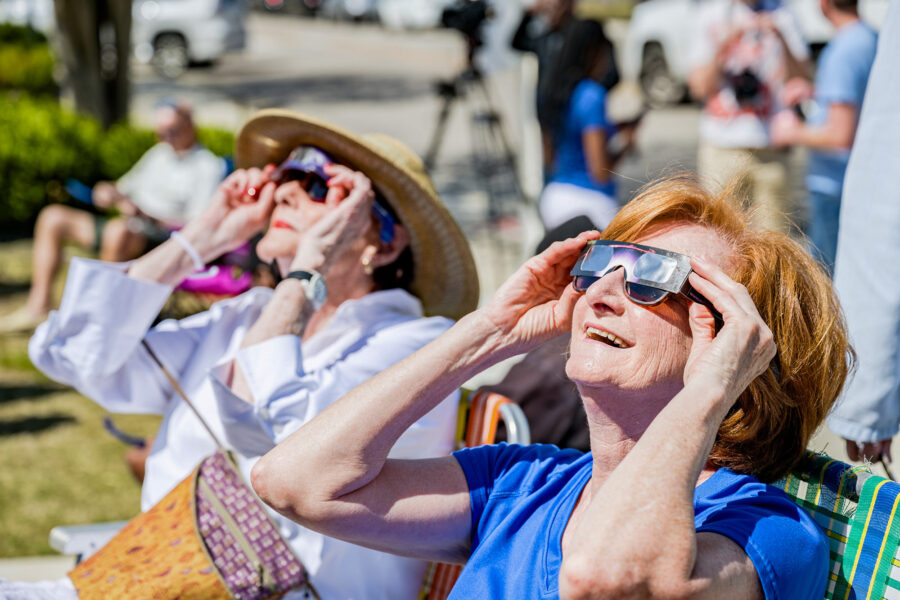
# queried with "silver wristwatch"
point(313, 286)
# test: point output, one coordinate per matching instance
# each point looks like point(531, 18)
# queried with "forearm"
point(287, 313)
point(345, 447)
point(704, 81)
point(640, 521)
point(599, 161)
point(170, 263)
point(826, 137)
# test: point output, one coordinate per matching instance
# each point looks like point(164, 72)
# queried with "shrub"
point(21, 35)
point(26, 62)
point(43, 144)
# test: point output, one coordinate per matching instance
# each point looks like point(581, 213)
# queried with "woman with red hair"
point(705, 353)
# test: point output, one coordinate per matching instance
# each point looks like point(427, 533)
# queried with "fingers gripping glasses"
point(651, 274)
point(306, 165)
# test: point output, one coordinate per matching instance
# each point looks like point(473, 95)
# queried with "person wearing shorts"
point(171, 183)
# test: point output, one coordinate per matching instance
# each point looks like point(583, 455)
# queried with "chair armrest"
point(517, 430)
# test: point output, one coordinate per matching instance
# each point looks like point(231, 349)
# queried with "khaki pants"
point(761, 176)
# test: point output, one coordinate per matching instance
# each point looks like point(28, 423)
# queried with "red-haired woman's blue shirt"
point(522, 498)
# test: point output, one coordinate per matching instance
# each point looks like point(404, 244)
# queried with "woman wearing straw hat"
point(365, 248)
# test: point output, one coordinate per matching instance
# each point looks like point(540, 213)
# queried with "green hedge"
point(26, 62)
point(42, 145)
point(21, 35)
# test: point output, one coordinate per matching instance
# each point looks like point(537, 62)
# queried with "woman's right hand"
point(535, 304)
point(240, 207)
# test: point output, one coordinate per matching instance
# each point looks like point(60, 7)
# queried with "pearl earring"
point(368, 269)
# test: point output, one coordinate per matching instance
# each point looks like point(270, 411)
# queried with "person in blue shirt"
point(841, 79)
point(694, 400)
point(578, 131)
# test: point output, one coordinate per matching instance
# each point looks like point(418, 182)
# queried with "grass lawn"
point(57, 464)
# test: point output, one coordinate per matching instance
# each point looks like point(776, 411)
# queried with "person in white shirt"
point(170, 184)
point(366, 248)
point(741, 56)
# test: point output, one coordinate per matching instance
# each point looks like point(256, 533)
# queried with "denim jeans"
point(824, 215)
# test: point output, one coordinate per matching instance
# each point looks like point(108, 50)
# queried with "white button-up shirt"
point(93, 343)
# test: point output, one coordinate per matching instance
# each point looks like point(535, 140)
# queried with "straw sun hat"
point(445, 278)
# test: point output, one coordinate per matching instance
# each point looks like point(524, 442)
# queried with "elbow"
point(268, 483)
point(261, 478)
point(287, 495)
point(583, 578)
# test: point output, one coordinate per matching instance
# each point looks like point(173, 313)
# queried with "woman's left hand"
point(743, 347)
point(350, 199)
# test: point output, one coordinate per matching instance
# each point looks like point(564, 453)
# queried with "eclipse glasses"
point(651, 274)
point(306, 165)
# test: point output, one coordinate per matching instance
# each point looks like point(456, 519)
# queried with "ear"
point(384, 254)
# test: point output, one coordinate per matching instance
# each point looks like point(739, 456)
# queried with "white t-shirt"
point(732, 119)
point(172, 187)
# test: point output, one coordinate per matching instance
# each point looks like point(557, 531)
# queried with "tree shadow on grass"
point(26, 391)
point(33, 424)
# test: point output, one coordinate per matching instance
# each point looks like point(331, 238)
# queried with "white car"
point(171, 34)
point(659, 38)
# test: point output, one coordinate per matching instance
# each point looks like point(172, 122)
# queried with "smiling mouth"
point(606, 337)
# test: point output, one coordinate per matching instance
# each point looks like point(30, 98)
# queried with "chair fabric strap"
point(873, 540)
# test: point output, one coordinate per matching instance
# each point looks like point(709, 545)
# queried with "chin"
point(600, 369)
point(277, 243)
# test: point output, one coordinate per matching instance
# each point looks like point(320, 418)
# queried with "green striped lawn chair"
point(859, 512)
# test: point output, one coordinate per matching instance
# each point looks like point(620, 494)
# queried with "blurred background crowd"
point(534, 120)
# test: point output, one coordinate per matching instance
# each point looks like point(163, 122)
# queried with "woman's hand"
point(535, 304)
point(743, 347)
point(349, 199)
point(240, 208)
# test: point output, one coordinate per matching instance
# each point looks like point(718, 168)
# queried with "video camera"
point(467, 17)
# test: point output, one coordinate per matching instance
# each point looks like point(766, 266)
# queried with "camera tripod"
point(493, 159)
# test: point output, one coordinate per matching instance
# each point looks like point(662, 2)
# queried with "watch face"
point(319, 291)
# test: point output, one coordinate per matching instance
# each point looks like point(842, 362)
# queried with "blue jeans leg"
point(824, 217)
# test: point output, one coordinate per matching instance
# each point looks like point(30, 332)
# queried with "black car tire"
point(660, 87)
point(170, 55)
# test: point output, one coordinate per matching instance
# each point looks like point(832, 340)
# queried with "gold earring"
point(368, 269)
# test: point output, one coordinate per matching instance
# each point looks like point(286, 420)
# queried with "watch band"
point(301, 275)
point(313, 286)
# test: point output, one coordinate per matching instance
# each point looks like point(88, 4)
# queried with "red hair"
point(770, 425)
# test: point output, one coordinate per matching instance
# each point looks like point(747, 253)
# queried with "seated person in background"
point(701, 382)
point(362, 260)
point(579, 151)
point(169, 185)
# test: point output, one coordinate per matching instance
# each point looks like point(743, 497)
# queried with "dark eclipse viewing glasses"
point(306, 165)
point(651, 274)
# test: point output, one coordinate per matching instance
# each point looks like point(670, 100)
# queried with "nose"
point(607, 294)
point(288, 194)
